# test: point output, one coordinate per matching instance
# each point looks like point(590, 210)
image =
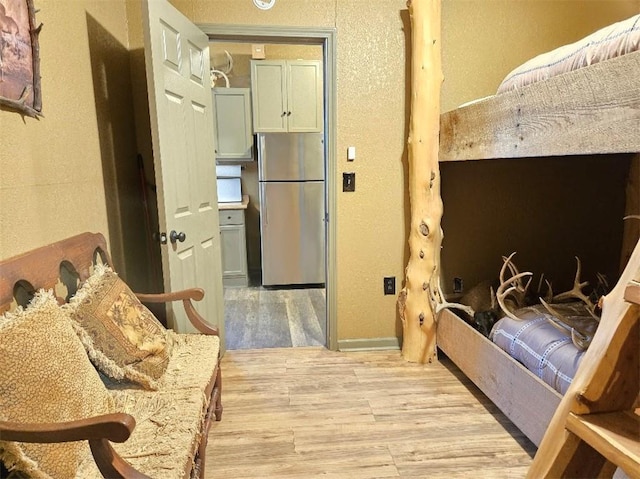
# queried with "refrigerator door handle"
point(263, 205)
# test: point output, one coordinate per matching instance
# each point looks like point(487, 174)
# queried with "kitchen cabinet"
point(287, 96)
point(233, 243)
point(233, 126)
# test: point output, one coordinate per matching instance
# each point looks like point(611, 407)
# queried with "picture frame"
point(19, 58)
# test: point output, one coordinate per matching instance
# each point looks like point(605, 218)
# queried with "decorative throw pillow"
point(46, 376)
point(123, 338)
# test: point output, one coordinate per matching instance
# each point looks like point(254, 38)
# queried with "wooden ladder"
point(596, 428)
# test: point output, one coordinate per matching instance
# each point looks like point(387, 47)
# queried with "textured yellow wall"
point(75, 170)
point(51, 182)
point(482, 41)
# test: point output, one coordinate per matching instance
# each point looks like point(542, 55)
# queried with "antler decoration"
point(441, 303)
point(576, 292)
point(513, 287)
point(580, 339)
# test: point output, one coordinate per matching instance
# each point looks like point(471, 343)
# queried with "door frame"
point(326, 37)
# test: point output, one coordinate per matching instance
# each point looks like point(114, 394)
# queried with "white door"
point(180, 107)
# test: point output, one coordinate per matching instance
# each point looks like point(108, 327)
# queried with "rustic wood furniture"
point(593, 110)
point(61, 266)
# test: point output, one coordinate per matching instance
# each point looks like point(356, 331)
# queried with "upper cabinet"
point(233, 130)
point(287, 96)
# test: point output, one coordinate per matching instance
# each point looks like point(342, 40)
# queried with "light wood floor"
point(257, 317)
point(307, 412)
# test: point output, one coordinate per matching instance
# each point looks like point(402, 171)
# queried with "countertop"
point(242, 205)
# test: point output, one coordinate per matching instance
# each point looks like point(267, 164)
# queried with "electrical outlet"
point(458, 285)
point(348, 182)
point(389, 285)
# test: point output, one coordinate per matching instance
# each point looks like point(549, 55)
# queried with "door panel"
point(305, 96)
point(268, 87)
point(177, 60)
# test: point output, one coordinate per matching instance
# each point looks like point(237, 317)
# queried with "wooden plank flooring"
point(257, 317)
point(307, 412)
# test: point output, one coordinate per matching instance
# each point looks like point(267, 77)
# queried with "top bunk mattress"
point(609, 42)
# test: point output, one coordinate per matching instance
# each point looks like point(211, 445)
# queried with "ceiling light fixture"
point(264, 4)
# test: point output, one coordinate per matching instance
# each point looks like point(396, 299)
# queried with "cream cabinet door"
point(268, 94)
point(234, 133)
point(234, 248)
point(287, 96)
point(304, 96)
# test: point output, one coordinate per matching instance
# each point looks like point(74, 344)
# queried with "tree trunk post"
point(416, 302)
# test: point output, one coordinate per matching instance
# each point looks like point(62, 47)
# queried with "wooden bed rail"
point(593, 110)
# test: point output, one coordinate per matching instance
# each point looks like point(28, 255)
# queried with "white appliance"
point(229, 184)
point(292, 208)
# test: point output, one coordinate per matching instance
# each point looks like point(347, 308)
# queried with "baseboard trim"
point(368, 344)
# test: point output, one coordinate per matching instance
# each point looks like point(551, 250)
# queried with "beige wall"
point(482, 41)
point(71, 171)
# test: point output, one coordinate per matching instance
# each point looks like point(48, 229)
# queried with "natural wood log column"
point(416, 302)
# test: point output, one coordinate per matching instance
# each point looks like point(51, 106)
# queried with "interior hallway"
point(307, 412)
point(258, 317)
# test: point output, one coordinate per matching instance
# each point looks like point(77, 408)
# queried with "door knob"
point(175, 236)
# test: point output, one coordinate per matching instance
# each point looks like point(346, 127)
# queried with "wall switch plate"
point(389, 285)
point(351, 153)
point(348, 182)
point(458, 285)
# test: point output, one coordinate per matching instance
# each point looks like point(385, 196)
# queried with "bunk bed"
point(592, 110)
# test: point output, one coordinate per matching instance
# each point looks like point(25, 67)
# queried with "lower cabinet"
point(234, 248)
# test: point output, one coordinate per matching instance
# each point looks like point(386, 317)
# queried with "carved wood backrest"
point(59, 266)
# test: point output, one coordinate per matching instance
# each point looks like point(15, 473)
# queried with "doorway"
point(268, 301)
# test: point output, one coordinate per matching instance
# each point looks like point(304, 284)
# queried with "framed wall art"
point(19, 58)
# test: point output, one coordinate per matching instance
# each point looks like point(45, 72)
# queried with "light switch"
point(348, 182)
point(351, 153)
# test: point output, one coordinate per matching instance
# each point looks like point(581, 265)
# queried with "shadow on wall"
point(406, 28)
point(128, 234)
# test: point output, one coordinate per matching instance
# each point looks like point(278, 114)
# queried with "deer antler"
point(442, 303)
point(549, 295)
point(512, 287)
point(576, 292)
point(559, 321)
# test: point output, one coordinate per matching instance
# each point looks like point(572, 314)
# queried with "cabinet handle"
point(288, 113)
point(283, 113)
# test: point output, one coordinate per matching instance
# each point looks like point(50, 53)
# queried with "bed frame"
point(594, 110)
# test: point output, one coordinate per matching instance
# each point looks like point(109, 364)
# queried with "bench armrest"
point(186, 296)
point(99, 431)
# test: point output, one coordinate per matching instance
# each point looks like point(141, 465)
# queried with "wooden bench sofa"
point(158, 431)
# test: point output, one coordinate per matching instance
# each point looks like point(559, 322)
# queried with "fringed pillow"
point(46, 376)
point(122, 337)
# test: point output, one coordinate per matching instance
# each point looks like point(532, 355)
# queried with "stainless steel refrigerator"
point(292, 208)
